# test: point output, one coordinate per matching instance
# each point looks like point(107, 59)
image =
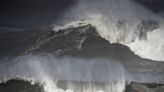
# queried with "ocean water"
point(95, 46)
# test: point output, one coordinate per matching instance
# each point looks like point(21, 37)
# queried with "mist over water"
point(121, 21)
point(47, 69)
point(117, 21)
point(73, 74)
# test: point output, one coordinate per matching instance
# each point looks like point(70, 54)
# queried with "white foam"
point(152, 47)
point(47, 68)
point(117, 21)
point(49, 71)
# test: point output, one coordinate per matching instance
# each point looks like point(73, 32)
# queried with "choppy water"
point(99, 47)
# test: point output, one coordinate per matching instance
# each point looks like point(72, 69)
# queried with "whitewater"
point(120, 21)
point(117, 21)
point(48, 70)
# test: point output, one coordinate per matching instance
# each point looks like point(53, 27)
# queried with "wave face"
point(121, 21)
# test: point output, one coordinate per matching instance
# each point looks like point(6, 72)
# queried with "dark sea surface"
point(82, 42)
point(40, 54)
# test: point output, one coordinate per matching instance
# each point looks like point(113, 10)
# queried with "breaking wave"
point(79, 74)
point(117, 21)
point(120, 21)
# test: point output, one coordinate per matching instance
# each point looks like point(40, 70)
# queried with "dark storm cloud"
point(31, 13)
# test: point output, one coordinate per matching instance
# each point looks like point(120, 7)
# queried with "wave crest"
point(120, 21)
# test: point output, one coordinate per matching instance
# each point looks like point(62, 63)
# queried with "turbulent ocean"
point(94, 46)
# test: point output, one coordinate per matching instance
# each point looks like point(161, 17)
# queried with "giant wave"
point(117, 21)
point(121, 21)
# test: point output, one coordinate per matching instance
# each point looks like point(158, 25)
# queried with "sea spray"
point(49, 70)
point(120, 21)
